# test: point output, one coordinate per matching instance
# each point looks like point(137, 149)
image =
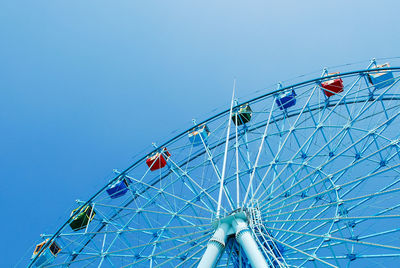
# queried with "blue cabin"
point(47, 256)
point(381, 79)
point(119, 188)
point(286, 99)
point(198, 134)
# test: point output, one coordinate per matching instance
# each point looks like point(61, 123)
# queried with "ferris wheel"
point(304, 175)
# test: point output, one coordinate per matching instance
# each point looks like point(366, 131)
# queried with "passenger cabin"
point(48, 255)
point(332, 86)
point(243, 115)
point(381, 79)
point(119, 188)
point(199, 134)
point(158, 159)
point(286, 99)
point(82, 219)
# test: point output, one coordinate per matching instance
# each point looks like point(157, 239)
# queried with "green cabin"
point(82, 219)
point(243, 115)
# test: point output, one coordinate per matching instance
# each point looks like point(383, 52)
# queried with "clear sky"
point(88, 85)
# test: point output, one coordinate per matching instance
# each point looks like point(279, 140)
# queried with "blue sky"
point(88, 85)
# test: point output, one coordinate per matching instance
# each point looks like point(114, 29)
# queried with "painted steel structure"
point(315, 182)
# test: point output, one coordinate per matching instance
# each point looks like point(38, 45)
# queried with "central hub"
point(228, 220)
point(234, 224)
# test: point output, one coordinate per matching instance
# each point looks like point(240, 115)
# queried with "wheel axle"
point(236, 224)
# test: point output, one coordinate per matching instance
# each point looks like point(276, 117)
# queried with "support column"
point(232, 224)
point(249, 245)
point(215, 247)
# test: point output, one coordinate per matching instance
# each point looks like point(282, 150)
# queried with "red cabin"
point(333, 86)
point(158, 160)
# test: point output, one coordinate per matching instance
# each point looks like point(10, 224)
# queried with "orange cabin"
point(48, 255)
point(381, 79)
